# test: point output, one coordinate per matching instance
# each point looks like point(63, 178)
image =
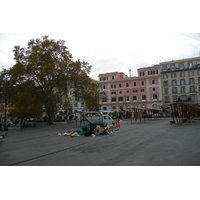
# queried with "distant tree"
point(6, 91)
point(92, 96)
point(67, 107)
point(47, 69)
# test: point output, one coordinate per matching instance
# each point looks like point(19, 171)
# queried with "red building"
point(121, 92)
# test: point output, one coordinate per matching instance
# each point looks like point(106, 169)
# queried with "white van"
point(99, 119)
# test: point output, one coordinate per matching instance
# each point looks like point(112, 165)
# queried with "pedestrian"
point(118, 117)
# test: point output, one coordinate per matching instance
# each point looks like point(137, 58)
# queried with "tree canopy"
point(43, 72)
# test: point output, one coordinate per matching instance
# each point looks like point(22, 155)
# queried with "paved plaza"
point(153, 142)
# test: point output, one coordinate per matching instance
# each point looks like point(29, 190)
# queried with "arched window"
point(104, 108)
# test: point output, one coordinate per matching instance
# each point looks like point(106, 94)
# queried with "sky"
point(110, 35)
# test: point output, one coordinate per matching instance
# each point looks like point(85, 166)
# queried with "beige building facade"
point(181, 81)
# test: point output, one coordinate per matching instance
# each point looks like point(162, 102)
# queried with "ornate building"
point(181, 80)
point(121, 92)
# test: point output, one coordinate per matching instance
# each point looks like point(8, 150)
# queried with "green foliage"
point(67, 107)
point(92, 96)
point(45, 69)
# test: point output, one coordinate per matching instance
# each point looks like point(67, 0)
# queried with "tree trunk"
point(50, 113)
point(50, 120)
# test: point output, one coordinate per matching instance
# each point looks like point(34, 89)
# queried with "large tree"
point(47, 68)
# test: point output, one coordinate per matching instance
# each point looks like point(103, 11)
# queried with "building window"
point(166, 99)
point(104, 99)
point(142, 90)
point(120, 85)
point(173, 75)
point(120, 98)
point(182, 90)
point(175, 98)
point(103, 78)
point(141, 73)
point(149, 72)
point(174, 82)
point(181, 66)
point(165, 76)
point(127, 84)
point(174, 91)
point(113, 77)
point(198, 72)
point(192, 89)
point(143, 97)
point(154, 89)
point(198, 80)
point(113, 99)
point(191, 73)
point(127, 98)
point(104, 108)
point(191, 81)
point(190, 65)
point(172, 67)
point(113, 86)
point(183, 97)
point(182, 74)
point(134, 83)
point(166, 90)
point(155, 71)
point(182, 81)
point(164, 68)
point(193, 97)
point(153, 82)
point(104, 87)
point(134, 98)
point(135, 91)
point(120, 92)
point(165, 83)
point(113, 92)
point(127, 91)
point(142, 82)
point(154, 96)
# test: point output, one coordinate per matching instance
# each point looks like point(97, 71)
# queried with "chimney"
point(129, 72)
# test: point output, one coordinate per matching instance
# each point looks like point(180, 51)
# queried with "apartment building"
point(181, 80)
point(121, 92)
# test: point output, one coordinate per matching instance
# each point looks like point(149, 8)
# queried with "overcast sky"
point(109, 35)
